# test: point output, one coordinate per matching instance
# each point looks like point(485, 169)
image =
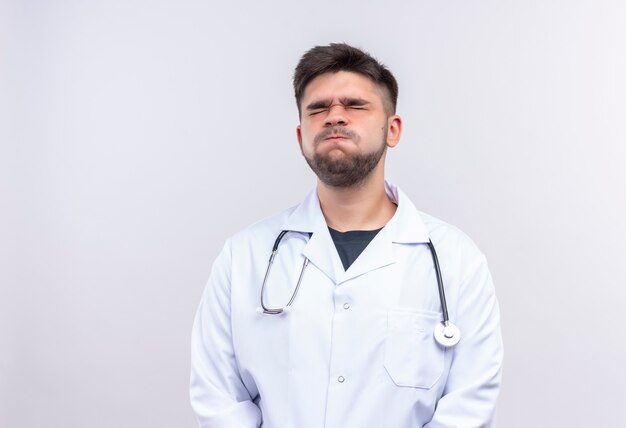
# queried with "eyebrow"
point(316, 105)
point(353, 102)
point(346, 102)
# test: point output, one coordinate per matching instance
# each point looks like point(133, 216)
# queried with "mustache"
point(336, 131)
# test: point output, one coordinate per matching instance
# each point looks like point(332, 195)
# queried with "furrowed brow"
point(316, 105)
point(353, 102)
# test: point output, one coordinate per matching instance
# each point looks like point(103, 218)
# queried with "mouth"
point(336, 137)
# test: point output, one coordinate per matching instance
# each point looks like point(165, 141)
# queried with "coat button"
point(346, 305)
point(341, 379)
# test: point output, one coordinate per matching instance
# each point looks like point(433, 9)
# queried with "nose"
point(336, 116)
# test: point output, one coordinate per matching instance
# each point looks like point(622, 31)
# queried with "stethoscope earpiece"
point(281, 311)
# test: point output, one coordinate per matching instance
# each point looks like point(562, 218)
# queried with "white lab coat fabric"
point(357, 347)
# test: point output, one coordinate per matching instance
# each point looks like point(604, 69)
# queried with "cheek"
point(307, 134)
point(306, 142)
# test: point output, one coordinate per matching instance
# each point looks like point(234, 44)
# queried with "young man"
point(345, 329)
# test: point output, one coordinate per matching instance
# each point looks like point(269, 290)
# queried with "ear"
point(299, 136)
point(394, 130)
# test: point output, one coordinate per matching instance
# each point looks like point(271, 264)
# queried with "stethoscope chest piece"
point(447, 334)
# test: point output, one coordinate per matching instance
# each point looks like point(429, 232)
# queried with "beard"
point(349, 170)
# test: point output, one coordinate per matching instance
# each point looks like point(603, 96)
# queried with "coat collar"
point(405, 227)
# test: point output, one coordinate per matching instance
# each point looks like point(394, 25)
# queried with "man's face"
point(344, 129)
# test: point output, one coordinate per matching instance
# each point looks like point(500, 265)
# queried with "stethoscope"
point(446, 333)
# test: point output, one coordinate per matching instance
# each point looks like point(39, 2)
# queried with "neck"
point(364, 206)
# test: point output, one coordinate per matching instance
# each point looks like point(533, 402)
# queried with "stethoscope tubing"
point(446, 333)
point(442, 293)
point(277, 311)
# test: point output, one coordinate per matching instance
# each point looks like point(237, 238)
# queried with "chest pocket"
point(412, 356)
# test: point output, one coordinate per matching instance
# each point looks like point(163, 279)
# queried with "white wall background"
point(137, 135)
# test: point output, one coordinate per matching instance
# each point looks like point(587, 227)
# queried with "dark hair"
point(342, 57)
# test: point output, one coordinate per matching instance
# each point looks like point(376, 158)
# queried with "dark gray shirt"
point(351, 244)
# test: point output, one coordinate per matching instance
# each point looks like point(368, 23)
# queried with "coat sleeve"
point(218, 396)
point(473, 383)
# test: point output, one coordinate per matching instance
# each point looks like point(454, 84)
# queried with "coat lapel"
point(405, 227)
point(320, 250)
point(377, 254)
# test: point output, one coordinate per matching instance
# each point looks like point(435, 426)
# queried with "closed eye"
point(317, 107)
point(317, 111)
point(322, 106)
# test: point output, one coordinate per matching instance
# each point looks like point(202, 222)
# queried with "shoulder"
point(451, 241)
point(441, 229)
point(445, 237)
point(262, 230)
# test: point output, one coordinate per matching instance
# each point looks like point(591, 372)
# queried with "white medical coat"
point(357, 348)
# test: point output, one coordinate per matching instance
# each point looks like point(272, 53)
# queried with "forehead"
point(341, 84)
